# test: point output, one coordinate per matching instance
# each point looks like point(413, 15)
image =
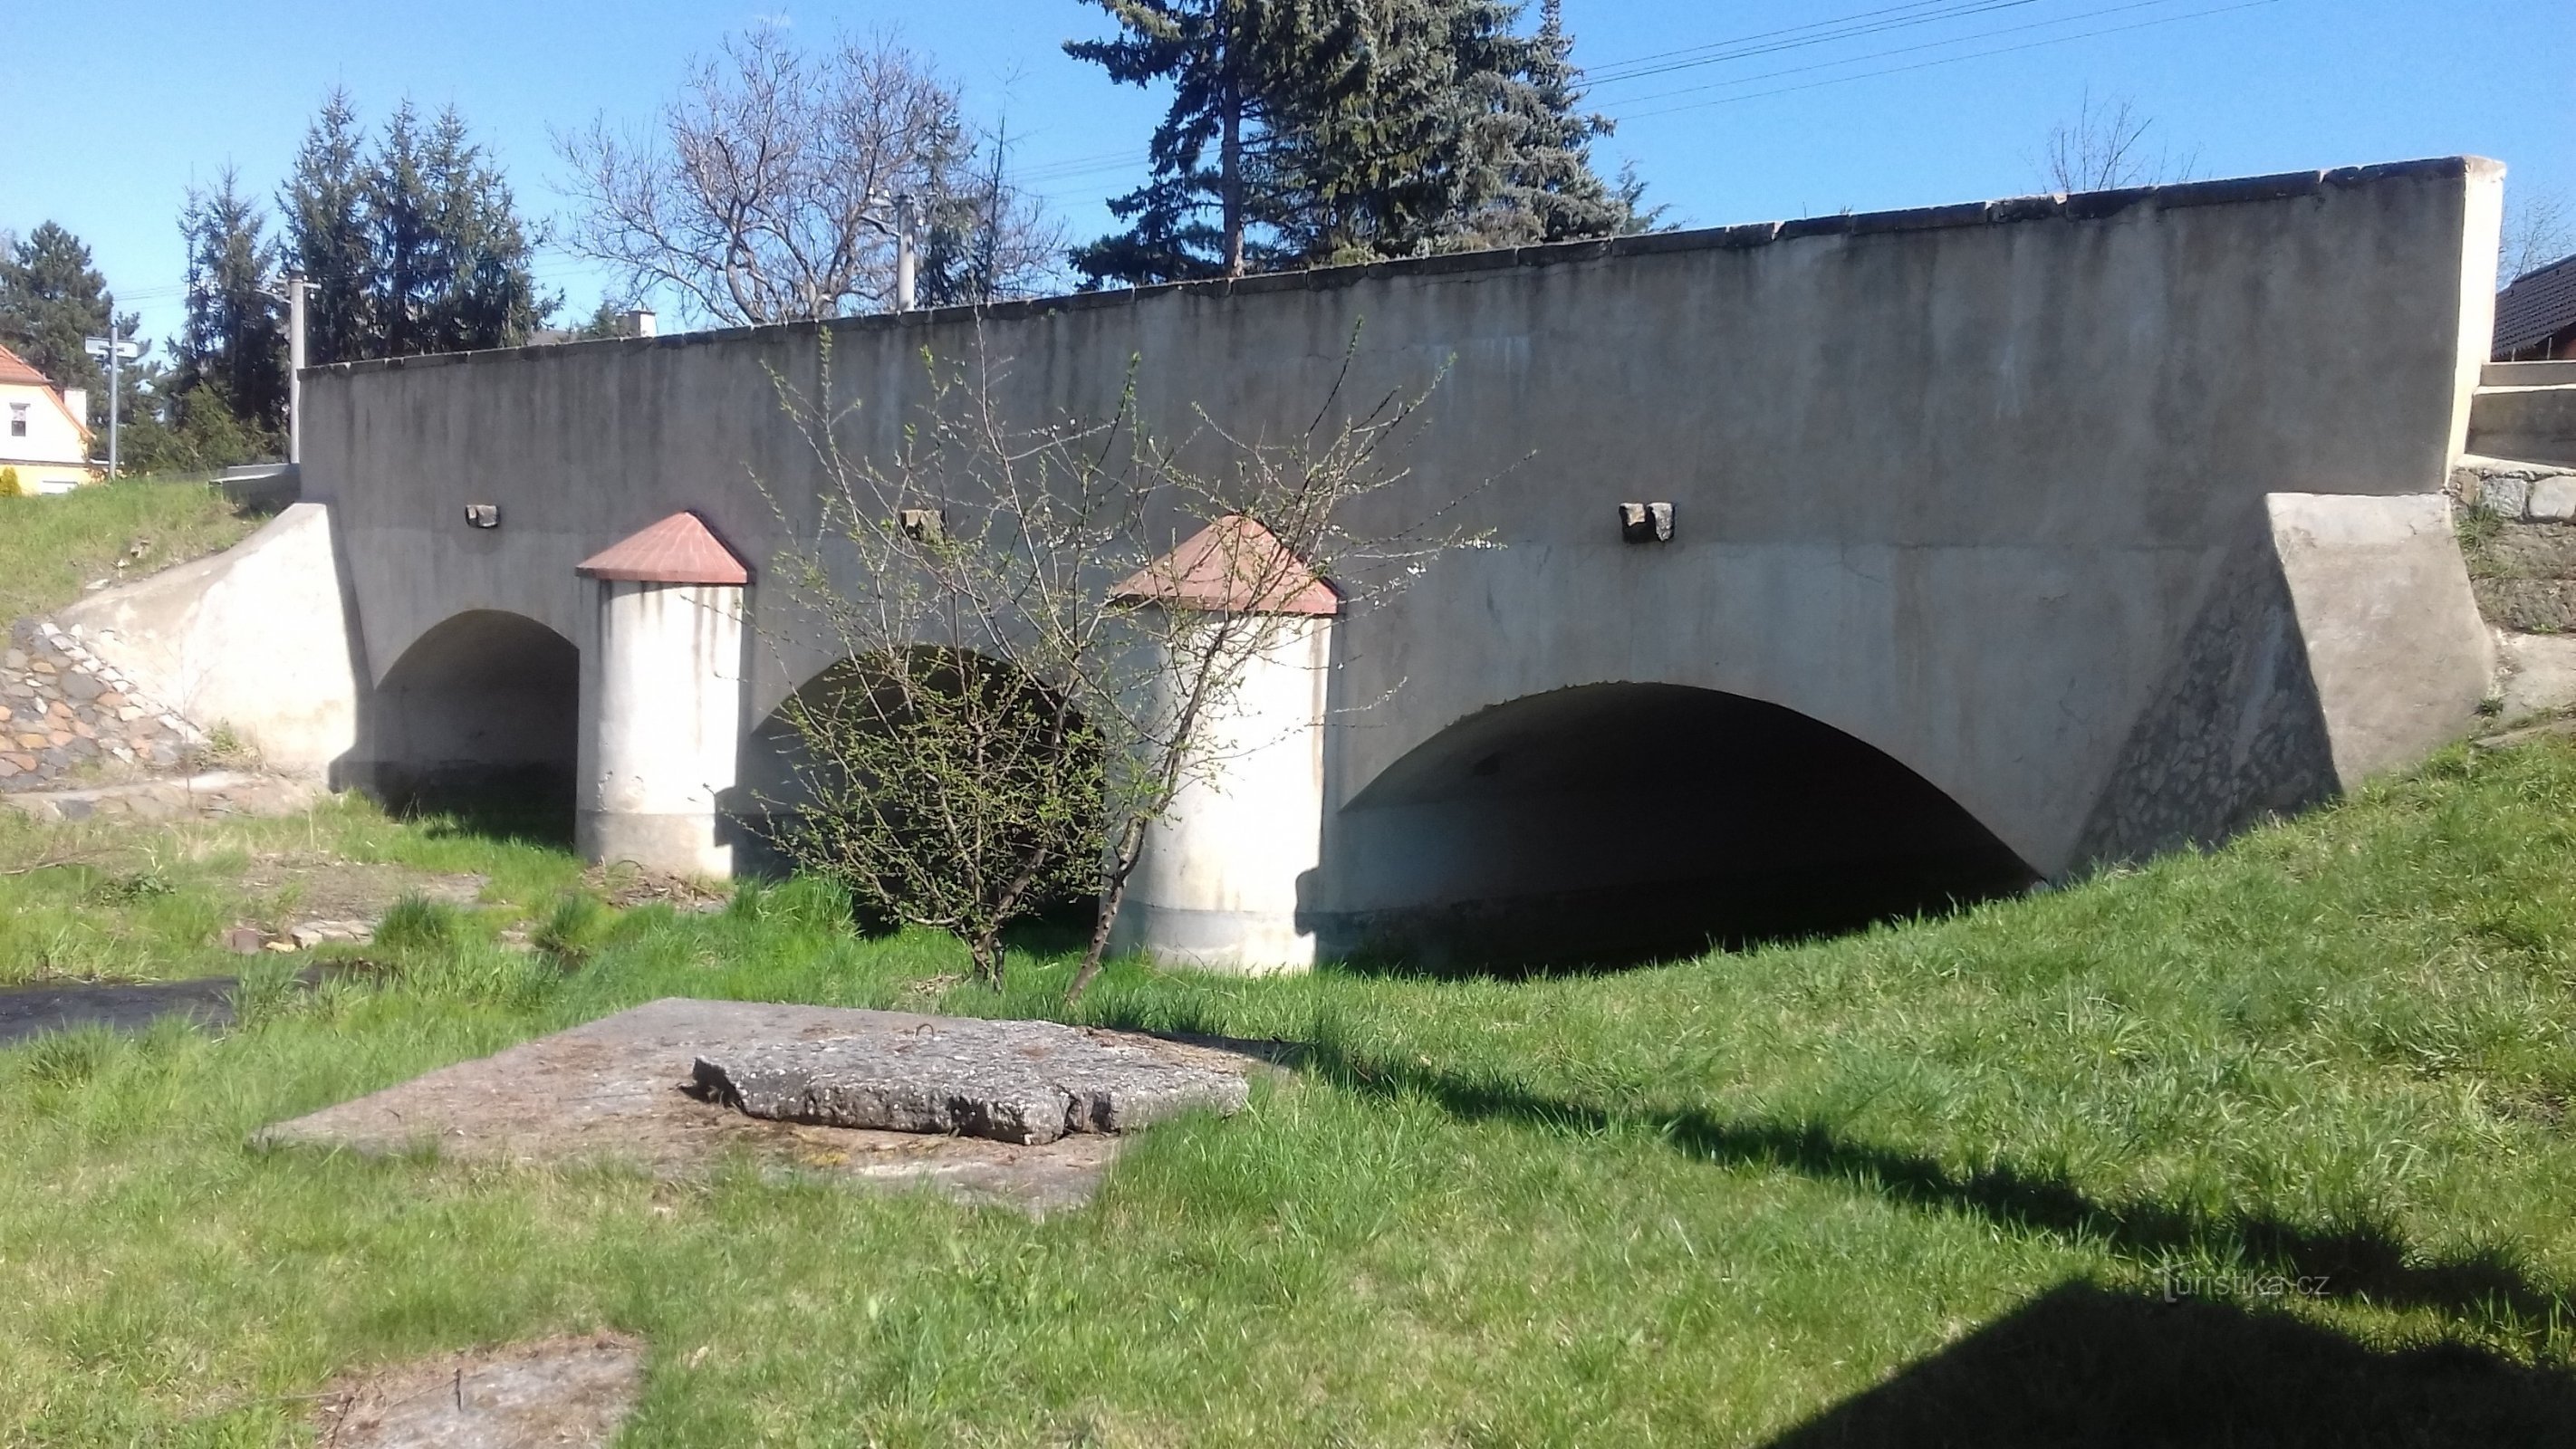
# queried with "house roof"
point(680, 549)
point(2538, 306)
point(1233, 566)
point(18, 371)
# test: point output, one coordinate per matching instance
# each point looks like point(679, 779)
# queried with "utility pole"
point(116, 352)
point(905, 261)
point(296, 288)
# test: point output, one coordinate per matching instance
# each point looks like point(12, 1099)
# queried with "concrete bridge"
point(2005, 538)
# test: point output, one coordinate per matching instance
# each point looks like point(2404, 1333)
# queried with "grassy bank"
point(51, 547)
point(111, 900)
point(2270, 1144)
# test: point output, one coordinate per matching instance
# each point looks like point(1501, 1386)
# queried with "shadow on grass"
point(2361, 1262)
point(1596, 933)
point(498, 813)
point(2082, 1364)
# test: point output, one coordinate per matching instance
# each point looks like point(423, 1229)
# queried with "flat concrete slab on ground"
point(620, 1090)
point(1013, 1081)
point(558, 1393)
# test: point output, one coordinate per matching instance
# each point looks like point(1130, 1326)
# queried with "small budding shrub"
point(10, 487)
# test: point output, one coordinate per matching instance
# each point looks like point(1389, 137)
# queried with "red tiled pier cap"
point(680, 549)
point(1232, 566)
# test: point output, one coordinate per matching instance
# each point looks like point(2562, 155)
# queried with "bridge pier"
point(1217, 884)
point(664, 732)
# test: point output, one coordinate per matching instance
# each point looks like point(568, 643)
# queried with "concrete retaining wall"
point(262, 638)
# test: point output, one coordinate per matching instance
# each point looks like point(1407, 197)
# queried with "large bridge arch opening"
point(484, 710)
point(1614, 823)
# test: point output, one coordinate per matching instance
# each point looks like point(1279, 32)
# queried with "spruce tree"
point(50, 299)
point(483, 294)
point(1386, 129)
point(413, 245)
point(1387, 163)
point(1238, 69)
point(231, 350)
point(323, 208)
point(409, 265)
point(1542, 185)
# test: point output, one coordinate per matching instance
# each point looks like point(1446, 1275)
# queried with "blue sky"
point(138, 100)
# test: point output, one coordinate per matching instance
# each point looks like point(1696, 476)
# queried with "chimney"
point(76, 402)
point(639, 323)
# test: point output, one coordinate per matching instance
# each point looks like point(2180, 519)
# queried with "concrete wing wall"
point(1957, 482)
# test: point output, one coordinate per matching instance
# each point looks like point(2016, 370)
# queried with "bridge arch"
point(779, 774)
point(484, 702)
point(1617, 822)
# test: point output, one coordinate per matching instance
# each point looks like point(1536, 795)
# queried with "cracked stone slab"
point(618, 1091)
point(1027, 1082)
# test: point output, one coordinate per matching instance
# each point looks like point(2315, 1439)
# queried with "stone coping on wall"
point(2057, 206)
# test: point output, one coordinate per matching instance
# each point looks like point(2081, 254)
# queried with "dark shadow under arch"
point(1615, 823)
point(776, 770)
point(481, 716)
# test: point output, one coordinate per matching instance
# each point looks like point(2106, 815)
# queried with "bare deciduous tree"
point(2105, 148)
point(2538, 229)
point(771, 188)
point(1027, 682)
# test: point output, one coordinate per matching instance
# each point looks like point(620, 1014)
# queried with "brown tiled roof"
point(16, 369)
point(2538, 306)
point(680, 549)
point(1233, 566)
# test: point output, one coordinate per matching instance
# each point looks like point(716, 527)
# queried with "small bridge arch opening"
point(1609, 824)
point(484, 707)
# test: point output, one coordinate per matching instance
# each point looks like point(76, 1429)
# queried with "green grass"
point(51, 547)
point(1930, 1184)
point(111, 900)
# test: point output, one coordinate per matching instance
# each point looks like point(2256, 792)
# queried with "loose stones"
point(1010, 1081)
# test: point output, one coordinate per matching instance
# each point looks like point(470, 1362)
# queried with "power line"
point(1636, 60)
point(1948, 59)
point(1870, 55)
point(1746, 47)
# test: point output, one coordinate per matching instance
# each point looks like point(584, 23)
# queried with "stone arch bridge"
point(2003, 538)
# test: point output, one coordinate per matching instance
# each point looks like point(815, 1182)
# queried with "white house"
point(44, 433)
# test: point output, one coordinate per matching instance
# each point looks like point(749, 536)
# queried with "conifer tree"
point(1241, 71)
point(1361, 132)
point(323, 209)
point(414, 245)
point(488, 296)
point(51, 297)
point(1541, 186)
point(231, 350)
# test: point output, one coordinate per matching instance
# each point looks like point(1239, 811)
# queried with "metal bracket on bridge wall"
point(1646, 522)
